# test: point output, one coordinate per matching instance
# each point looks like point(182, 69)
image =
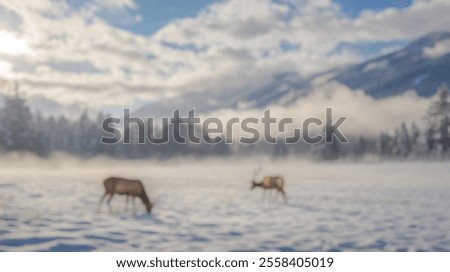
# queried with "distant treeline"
point(407, 142)
point(24, 131)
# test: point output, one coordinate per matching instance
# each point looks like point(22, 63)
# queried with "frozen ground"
point(208, 206)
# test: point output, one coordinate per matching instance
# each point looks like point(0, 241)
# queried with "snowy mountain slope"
point(413, 68)
point(279, 87)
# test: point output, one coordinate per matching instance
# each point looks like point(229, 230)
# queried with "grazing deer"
point(269, 182)
point(128, 187)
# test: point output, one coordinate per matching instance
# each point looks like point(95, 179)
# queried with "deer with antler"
point(128, 187)
point(269, 182)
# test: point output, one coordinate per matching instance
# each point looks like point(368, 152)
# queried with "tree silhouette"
point(438, 121)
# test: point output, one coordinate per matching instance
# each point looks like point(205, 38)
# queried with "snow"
point(207, 205)
point(377, 65)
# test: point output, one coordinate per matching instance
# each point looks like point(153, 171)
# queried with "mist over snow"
point(51, 206)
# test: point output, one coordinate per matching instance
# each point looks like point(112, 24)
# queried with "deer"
point(128, 187)
point(269, 182)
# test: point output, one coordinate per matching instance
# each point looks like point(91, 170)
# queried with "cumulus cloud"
point(76, 56)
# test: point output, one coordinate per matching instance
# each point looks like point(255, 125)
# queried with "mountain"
point(410, 68)
point(279, 87)
point(422, 66)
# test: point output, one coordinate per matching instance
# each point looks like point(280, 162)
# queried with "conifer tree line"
point(22, 130)
point(406, 142)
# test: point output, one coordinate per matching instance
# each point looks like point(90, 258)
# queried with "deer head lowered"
point(128, 187)
point(269, 182)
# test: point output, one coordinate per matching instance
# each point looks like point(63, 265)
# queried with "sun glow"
point(11, 45)
point(5, 68)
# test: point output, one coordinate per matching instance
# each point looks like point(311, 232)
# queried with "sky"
point(67, 56)
point(154, 14)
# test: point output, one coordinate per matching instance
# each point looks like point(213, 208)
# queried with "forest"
point(22, 130)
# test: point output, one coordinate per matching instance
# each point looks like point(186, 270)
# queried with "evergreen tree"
point(329, 149)
point(438, 119)
point(404, 144)
point(361, 146)
point(415, 134)
point(386, 144)
point(16, 131)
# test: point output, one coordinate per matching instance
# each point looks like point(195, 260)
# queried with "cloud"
point(366, 115)
point(10, 21)
point(12, 45)
point(5, 68)
point(439, 49)
point(76, 55)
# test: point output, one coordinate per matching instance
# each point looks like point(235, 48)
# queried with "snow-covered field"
point(207, 205)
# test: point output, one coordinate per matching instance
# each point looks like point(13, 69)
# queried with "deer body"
point(128, 187)
point(271, 182)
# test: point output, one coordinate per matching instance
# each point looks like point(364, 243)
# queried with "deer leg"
point(109, 203)
point(134, 205)
point(263, 194)
point(284, 195)
point(126, 203)
point(100, 203)
point(275, 194)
